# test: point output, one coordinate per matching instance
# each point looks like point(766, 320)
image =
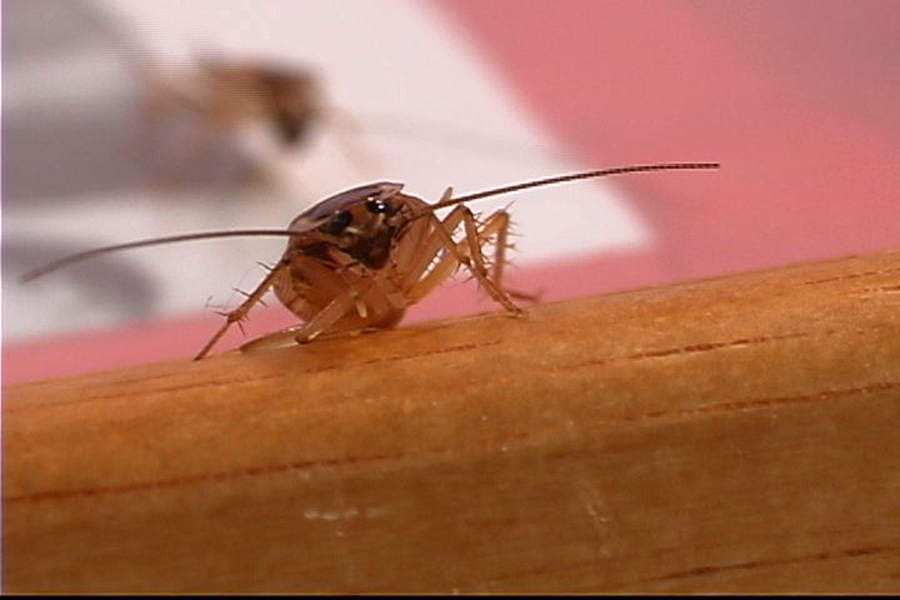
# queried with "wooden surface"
point(737, 434)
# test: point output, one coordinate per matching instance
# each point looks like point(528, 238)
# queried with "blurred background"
point(122, 119)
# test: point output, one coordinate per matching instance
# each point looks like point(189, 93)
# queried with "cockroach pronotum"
point(358, 259)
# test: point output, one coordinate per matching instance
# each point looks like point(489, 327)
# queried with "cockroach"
point(357, 260)
point(228, 94)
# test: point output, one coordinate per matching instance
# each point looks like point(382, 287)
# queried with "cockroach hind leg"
point(273, 341)
point(467, 252)
point(490, 281)
point(499, 225)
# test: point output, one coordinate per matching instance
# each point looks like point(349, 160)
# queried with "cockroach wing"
point(320, 213)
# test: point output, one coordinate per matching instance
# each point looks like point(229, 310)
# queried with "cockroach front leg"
point(238, 314)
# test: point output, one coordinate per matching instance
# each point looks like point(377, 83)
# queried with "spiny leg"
point(425, 245)
point(241, 311)
point(499, 224)
point(475, 241)
point(418, 286)
point(472, 258)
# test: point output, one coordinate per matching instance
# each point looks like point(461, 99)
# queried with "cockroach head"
point(376, 195)
point(357, 222)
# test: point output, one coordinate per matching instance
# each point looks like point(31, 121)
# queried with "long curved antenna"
point(187, 237)
point(573, 177)
point(65, 261)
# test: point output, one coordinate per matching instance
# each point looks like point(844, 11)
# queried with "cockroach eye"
point(378, 206)
point(339, 222)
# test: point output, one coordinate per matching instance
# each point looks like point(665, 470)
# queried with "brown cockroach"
point(357, 260)
point(228, 94)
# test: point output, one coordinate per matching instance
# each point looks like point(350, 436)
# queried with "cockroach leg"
point(274, 340)
point(479, 269)
point(389, 290)
point(327, 317)
point(499, 224)
point(421, 244)
point(361, 308)
point(246, 294)
point(468, 253)
point(445, 266)
point(238, 314)
point(432, 245)
point(310, 330)
point(442, 267)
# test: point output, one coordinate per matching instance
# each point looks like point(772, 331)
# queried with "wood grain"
point(737, 434)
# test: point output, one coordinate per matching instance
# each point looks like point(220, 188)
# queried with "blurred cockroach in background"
point(232, 96)
point(224, 96)
point(357, 260)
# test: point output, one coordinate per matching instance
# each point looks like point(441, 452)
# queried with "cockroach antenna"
point(187, 237)
point(516, 187)
point(74, 258)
